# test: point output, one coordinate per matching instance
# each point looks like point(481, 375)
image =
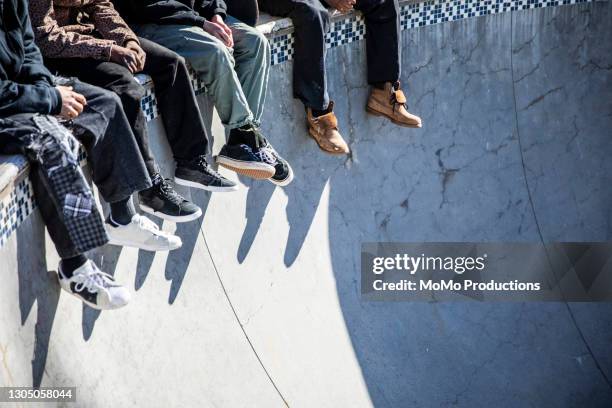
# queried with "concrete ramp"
point(261, 307)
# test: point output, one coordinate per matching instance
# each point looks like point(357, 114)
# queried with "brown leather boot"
point(324, 129)
point(391, 103)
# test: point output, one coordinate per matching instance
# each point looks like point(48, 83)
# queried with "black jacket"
point(246, 11)
point(26, 86)
point(183, 12)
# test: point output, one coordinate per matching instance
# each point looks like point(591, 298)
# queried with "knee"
point(177, 67)
point(171, 59)
point(311, 16)
point(221, 56)
point(256, 42)
point(104, 99)
point(109, 97)
point(131, 94)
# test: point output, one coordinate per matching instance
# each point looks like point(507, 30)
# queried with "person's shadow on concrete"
point(304, 197)
point(257, 200)
point(179, 259)
point(304, 193)
point(106, 258)
point(36, 284)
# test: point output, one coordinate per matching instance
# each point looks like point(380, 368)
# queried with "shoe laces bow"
point(92, 279)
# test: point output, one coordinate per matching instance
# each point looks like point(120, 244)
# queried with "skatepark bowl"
point(261, 307)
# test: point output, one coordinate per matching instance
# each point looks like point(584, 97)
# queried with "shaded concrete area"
point(517, 112)
point(261, 306)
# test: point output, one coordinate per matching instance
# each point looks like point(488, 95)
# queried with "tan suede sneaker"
point(324, 130)
point(391, 103)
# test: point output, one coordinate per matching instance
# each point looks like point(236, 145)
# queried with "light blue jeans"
point(236, 79)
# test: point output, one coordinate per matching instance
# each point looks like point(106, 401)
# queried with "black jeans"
point(175, 96)
point(63, 196)
point(311, 19)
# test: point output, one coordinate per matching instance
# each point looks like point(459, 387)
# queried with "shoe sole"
point(214, 189)
point(151, 248)
point(173, 218)
point(377, 113)
point(285, 182)
point(94, 306)
point(258, 171)
point(88, 303)
point(312, 133)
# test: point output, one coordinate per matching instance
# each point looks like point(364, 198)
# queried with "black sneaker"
point(197, 173)
point(161, 200)
point(283, 174)
point(243, 160)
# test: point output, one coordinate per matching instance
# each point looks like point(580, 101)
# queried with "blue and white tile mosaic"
point(15, 207)
point(440, 11)
point(282, 48)
point(196, 82)
point(19, 203)
point(352, 28)
point(149, 103)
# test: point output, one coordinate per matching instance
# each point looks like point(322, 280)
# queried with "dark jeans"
point(311, 19)
point(63, 196)
point(175, 96)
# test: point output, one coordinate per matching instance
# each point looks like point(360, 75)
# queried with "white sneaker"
point(142, 233)
point(95, 288)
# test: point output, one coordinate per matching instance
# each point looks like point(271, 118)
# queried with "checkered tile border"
point(149, 102)
point(352, 27)
point(15, 207)
point(18, 205)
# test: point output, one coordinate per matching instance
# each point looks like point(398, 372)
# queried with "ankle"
point(122, 212)
point(320, 112)
point(394, 85)
point(243, 135)
point(69, 265)
point(192, 162)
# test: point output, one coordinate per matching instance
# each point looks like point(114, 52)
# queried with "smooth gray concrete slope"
point(498, 159)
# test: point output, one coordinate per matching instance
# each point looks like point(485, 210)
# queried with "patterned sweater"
point(78, 28)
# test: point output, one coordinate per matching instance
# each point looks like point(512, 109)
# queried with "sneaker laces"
point(266, 155)
point(146, 224)
point(270, 151)
point(263, 154)
point(92, 280)
point(201, 162)
point(163, 186)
